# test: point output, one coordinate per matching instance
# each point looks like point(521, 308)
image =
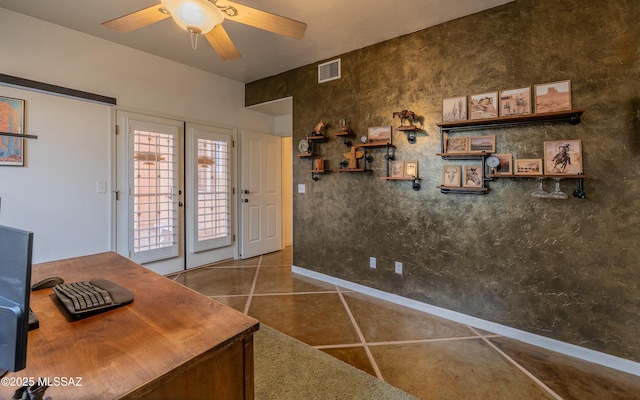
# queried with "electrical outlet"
point(372, 262)
point(398, 267)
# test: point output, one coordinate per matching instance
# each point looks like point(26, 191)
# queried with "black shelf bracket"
point(18, 135)
point(415, 185)
point(579, 193)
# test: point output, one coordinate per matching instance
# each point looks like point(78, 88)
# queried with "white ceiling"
point(334, 27)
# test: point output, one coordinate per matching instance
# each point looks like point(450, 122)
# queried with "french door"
point(210, 194)
point(161, 222)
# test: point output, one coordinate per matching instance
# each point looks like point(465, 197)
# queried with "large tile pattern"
point(427, 356)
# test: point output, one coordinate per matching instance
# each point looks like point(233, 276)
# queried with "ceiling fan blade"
point(222, 44)
point(267, 21)
point(137, 19)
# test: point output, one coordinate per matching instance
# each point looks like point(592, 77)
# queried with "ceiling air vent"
point(329, 71)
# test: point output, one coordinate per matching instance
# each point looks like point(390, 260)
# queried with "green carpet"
point(286, 368)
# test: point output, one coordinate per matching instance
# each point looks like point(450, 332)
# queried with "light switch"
point(301, 188)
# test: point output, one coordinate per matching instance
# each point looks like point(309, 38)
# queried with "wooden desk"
point(170, 343)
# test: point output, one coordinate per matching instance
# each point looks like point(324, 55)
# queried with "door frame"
point(118, 194)
point(236, 217)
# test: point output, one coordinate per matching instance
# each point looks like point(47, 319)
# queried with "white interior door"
point(260, 194)
point(149, 186)
point(210, 194)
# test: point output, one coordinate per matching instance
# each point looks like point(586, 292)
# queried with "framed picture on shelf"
point(515, 102)
point(454, 109)
point(457, 145)
point(482, 144)
point(411, 169)
point(563, 157)
point(451, 175)
point(528, 166)
point(483, 105)
point(472, 176)
point(505, 166)
point(554, 96)
point(379, 135)
point(397, 169)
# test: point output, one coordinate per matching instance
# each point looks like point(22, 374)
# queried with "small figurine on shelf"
point(353, 156)
point(343, 125)
point(317, 131)
point(405, 115)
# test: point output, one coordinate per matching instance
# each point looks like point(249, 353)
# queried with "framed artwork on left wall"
point(11, 121)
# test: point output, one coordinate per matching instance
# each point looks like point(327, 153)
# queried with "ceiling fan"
point(204, 17)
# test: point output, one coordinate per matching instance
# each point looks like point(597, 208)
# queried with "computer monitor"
point(16, 248)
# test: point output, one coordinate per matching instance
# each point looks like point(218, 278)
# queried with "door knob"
point(245, 200)
point(246, 191)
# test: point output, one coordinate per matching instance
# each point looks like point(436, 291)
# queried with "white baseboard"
point(568, 349)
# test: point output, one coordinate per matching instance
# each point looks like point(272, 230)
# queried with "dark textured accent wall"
point(565, 269)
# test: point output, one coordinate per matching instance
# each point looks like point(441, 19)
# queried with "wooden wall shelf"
point(570, 116)
point(352, 170)
point(538, 176)
point(462, 190)
point(461, 156)
point(375, 145)
point(415, 185)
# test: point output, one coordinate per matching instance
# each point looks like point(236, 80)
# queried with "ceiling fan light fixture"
point(195, 16)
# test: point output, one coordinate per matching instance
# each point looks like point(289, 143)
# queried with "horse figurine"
point(405, 115)
point(318, 128)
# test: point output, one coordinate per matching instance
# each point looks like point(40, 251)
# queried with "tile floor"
point(427, 356)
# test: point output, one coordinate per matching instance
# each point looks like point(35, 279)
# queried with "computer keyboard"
point(90, 297)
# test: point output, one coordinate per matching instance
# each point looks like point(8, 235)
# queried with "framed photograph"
point(515, 102)
point(554, 96)
point(379, 135)
point(397, 169)
point(11, 121)
point(505, 166)
point(411, 169)
point(563, 157)
point(457, 145)
point(454, 109)
point(482, 144)
point(451, 175)
point(483, 105)
point(528, 166)
point(472, 176)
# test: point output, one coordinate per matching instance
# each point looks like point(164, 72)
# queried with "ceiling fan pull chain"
point(194, 39)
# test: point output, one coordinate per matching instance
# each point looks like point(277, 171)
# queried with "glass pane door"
point(210, 196)
point(154, 191)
